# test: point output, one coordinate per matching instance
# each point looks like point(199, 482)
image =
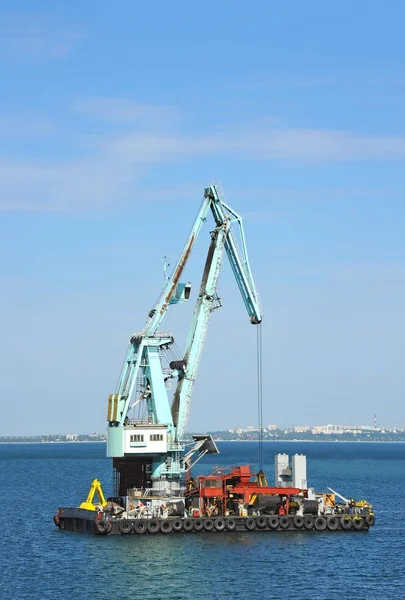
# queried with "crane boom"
point(208, 300)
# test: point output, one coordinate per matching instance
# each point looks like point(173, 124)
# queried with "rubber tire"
point(166, 526)
point(125, 526)
point(273, 522)
point(250, 523)
point(177, 525)
point(332, 523)
point(358, 524)
point(309, 522)
point(284, 522)
point(219, 524)
point(140, 526)
point(103, 527)
point(346, 524)
point(230, 524)
point(198, 524)
point(188, 525)
point(298, 521)
point(208, 524)
point(370, 520)
point(320, 523)
point(261, 522)
point(153, 525)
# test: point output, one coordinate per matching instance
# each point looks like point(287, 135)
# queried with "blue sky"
point(113, 118)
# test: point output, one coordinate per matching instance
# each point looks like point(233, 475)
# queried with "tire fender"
point(198, 524)
point(140, 526)
point(125, 526)
point(320, 523)
point(208, 524)
point(298, 521)
point(284, 522)
point(332, 523)
point(273, 522)
point(153, 525)
point(166, 526)
point(230, 524)
point(219, 524)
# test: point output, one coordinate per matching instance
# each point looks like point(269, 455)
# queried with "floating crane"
point(149, 451)
point(154, 489)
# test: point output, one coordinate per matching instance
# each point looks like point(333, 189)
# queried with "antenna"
point(166, 265)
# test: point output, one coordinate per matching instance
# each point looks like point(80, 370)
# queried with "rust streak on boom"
point(178, 273)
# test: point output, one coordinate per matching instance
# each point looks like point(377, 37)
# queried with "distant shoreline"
point(223, 441)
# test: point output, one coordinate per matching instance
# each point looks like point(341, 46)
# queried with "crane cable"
point(260, 394)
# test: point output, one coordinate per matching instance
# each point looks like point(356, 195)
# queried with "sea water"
point(40, 562)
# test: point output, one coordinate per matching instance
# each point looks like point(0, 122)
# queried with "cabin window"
point(156, 437)
point(213, 483)
point(137, 437)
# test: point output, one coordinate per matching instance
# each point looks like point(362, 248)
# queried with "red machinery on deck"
point(236, 490)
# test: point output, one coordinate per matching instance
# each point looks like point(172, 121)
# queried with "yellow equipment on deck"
point(95, 488)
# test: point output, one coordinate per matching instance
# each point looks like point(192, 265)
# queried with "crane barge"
point(154, 490)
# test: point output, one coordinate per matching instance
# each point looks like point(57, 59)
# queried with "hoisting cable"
point(260, 394)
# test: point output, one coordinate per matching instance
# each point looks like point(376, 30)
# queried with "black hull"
point(85, 521)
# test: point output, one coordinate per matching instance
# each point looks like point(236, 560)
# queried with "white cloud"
point(111, 165)
point(18, 125)
point(322, 145)
point(125, 110)
point(26, 37)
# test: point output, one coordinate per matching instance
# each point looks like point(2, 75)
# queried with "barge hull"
point(81, 520)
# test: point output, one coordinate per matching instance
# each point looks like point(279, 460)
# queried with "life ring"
point(177, 524)
point(273, 521)
point(332, 523)
point(166, 526)
point(320, 524)
point(309, 522)
point(140, 526)
point(250, 523)
point(219, 524)
point(103, 527)
point(188, 525)
point(198, 525)
point(230, 524)
point(284, 522)
point(261, 522)
point(298, 521)
point(125, 526)
point(358, 524)
point(153, 525)
point(346, 523)
point(208, 524)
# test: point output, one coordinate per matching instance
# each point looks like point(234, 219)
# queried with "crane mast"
point(148, 450)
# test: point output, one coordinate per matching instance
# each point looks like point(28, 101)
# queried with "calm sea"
point(39, 562)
